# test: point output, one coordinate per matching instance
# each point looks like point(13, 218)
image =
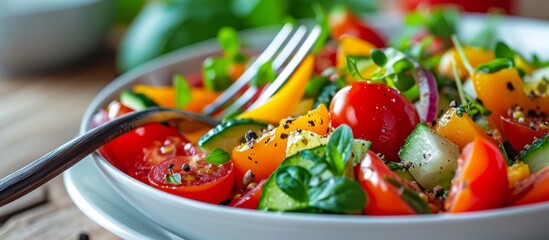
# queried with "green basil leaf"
point(309, 154)
point(503, 151)
point(294, 181)
point(443, 22)
point(265, 74)
point(228, 39)
point(172, 179)
point(326, 94)
point(403, 81)
point(353, 68)
point(218, 156)
point(340, 147)
point(403, 65)
point(414, 19)
point(338, 195)
point(537, 62)
point(214, 72)
point(504, 51)
point(182, 91)
point(378, 57)
point(413, 199)
point(495, 65)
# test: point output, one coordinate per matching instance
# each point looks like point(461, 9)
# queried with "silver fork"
point(60, 159)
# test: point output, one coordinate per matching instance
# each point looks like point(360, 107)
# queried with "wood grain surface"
point(37, 114)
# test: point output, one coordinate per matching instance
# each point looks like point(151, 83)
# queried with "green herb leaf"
point(315, 85)
point(353, 68)
point(413, 199)
point(218, 156)
point(415, 18)
point(182, 91)
point(378, 57)
point(215, 76)
point(537, 62)
point(340, 148)
point(495, 65)
point(228, 39)
point(294, 181)
point(443, 22)
point(462, 55)
point(505, 155)
point(172, 179)
point(322, 21)
point(504, 51)
point(338, 195)
point(326, 95)
point(265, 74)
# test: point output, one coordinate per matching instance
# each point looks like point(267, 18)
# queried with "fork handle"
point(60, 159)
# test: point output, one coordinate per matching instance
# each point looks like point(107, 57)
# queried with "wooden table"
point(37, 114)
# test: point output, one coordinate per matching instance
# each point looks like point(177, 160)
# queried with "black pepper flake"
point(298, 130)
point(268, 140)
point(249, 158)
point(433, 123)
point(532, 113)
point(321, 121)
point(83, 236)
point(283, 135)
point(255, 162)
point(250, 144)
point(311, 122)
point(276, 144)
point(510, 86)
point(250, 136)
point(225, 202)
point(186, 167)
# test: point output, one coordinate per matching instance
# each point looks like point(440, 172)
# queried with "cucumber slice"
point(229, 134)
point(537, 154)
point(136, 101)
point(433, 157)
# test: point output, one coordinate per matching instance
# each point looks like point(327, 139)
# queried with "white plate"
point(97, 200)
point(205, 221)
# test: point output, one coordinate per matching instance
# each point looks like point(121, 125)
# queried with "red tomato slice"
point(377, 113)
point(383, 198)
point(481, 179)
point(533, 189)
point(344, 22)
point(200, 180)
point(250, 199)
point(136, 152)
point(521, 134)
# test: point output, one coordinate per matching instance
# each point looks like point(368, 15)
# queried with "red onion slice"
point(427, 104)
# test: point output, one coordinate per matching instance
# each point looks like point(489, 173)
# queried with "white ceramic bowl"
point(43, 35)
point(196, 220)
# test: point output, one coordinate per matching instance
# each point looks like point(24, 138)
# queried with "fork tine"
point(290, 68)
point(267, 54)
point(278, 62)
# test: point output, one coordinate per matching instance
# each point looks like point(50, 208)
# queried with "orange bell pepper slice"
point(476, 56)
point(501, 91)
point(353, 46)
point(459, 130)
point(265, 154)
point(283, 103)
point(164, 96)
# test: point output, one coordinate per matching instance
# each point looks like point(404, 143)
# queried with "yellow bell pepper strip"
point(284, 102)
point(521, 63)
point(352, 46)
point(164, 96)
point(263, 155)
point(476, 56)
point(503, 90)
point(459, 130)
point(517, 172)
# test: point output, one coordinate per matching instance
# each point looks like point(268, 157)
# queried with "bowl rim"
point(207, 46)
point(66, 5)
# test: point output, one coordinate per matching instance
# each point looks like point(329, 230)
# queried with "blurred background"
point(53, 35)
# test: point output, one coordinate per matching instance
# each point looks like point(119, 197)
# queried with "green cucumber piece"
point(433, 157)
point(536, 155)
point(136, 101)
point(229, 134)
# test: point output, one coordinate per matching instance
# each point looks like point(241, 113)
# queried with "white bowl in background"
point(44, 35)
point(196, 220)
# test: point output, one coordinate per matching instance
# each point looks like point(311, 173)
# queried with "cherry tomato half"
point(383, 198)
point(200, 180)
point(519, 134)
point(377, 113)
point(136, 152)
point(250, 198)
point(481, 179)
point(344, 22)
point(533, 189)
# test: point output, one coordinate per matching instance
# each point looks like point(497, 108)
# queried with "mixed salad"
point(425, 123)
